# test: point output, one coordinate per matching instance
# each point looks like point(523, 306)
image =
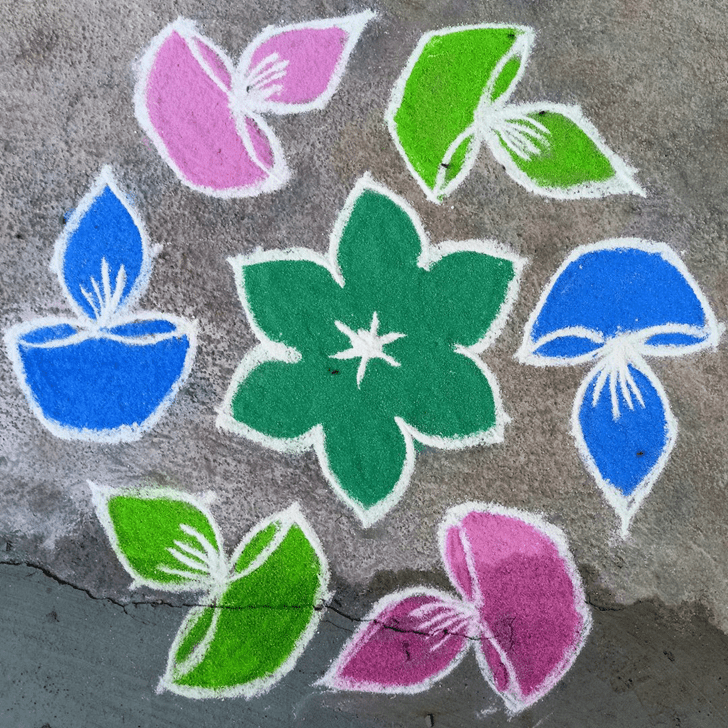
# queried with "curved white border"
point(624, 506)
point(269, 350)
point(332, 679)
point(104, 179)
point(123, 433)
point(622, 182)
point(277, 175)
point(524, 41)
point(513, 698)
point(102, 494)
point(289, 517)
point(712, 329)
point(353, 25)
point(184, 327)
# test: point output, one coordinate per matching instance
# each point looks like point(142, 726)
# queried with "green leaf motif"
point(253, 633)
point(554, 150)
point(261, 608)
point(396, 361)
point(452, 98)
point(435, 100)
point(163, 538)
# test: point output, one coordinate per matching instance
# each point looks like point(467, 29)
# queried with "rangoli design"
point(520, 605)
point(109, 374)
point(452, 98)
point(615, 303)
point(260, 607)
point(371, 349)
point(204, 115)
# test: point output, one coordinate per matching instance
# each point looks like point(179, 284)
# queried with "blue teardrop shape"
point(626, 449)
point(620, 289)
point(105, 232)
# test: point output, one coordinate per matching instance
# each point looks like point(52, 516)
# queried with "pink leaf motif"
point(183, 103)
point(409, 640)
point(298, 67)
point(518, 573)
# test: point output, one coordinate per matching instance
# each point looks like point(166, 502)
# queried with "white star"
point(367, 345)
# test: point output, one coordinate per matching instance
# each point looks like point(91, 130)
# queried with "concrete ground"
point(80, 649)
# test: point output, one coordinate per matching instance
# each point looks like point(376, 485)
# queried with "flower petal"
point(553, 150)
point(183, 104)
point(165, 539)
point(367, 460)
point(624, 432)
point(298, 67)
point(517, 570)
point(379, 243)
point(445, 396)
point(276, 399)
point(102, 257)
point(408, 641)
point(291, 297)
point(468, 290)
point(616, 287)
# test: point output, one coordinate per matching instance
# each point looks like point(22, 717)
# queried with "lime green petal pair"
point(375, 347)
point(258, 608)
point(453, 97)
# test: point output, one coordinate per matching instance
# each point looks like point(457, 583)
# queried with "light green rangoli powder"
point(443, 92)
point(249, 627)
point(262, 617)
point(567, 158)
point(145, 528)
point(454, 99)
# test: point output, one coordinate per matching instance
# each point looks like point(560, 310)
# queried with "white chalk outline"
point(353, 25)
point(241, 108)
point(123, 433)
point(711, 330)
point(102, 494)
point(277, 175)
point(333, 679)
point(622, 182)
point(268, 350)
point(630, 347)
point(220, 575)
point(513, 698)
point(287, 518)
point(524, 41)
point(92, 328)
point(489, 114)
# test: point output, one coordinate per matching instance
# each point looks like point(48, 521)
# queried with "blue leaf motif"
point(101, 257)
point(624, 430)
point(613, 288)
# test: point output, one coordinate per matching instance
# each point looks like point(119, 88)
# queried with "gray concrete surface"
point(653, 76)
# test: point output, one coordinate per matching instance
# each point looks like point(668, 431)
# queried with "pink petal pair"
point(204, 115)
point(522, 608)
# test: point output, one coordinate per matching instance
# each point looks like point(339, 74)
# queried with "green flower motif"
point(372, 349)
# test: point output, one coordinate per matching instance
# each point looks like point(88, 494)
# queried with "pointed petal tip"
point(358, 20)
point(100, 494)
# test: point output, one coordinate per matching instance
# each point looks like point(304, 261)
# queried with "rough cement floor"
point(652, 76)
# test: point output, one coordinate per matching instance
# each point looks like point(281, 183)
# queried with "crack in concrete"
point(602, 608)
point(189, 605)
